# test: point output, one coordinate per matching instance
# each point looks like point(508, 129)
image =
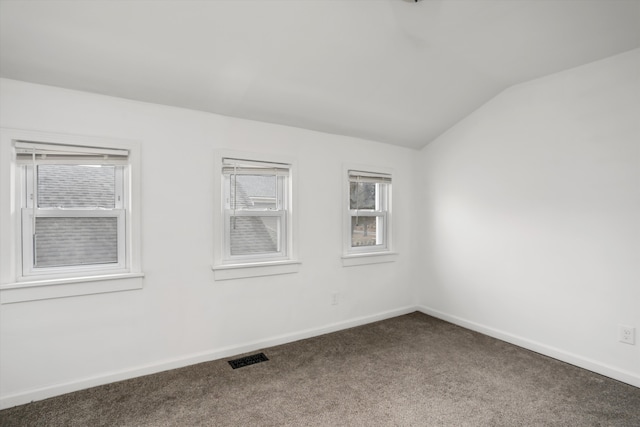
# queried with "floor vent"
point(248, 360)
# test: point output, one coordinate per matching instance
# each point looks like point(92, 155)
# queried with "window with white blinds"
point(73, 208)
point(368, 228)
point(256, 199)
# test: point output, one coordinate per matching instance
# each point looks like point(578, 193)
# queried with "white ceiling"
point(386, 70)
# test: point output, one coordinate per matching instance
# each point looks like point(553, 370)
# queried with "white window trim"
point(17, 287)
point(366, 255)
point(254, 266)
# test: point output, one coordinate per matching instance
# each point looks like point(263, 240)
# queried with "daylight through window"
point(73, 208)
point(256, 206)
point(369, 195)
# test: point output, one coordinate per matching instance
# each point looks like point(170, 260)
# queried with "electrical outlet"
point(334, 298)
point(627, 334)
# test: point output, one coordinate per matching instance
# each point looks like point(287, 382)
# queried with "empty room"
point(320, 212)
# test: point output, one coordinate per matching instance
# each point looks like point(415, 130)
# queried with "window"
point(368, 214)
point(368, 209)
point(73, 221)
point(256, 200)
point(255, 226)
point(73, 208)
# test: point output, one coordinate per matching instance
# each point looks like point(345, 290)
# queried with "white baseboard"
point(164, 365)
point(573, 359)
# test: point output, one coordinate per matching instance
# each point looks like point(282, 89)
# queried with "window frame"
point(29, 270)
point(18, 284)
point(227, 266)
point(280, 211)
point(359, 255)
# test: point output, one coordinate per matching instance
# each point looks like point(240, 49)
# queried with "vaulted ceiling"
point(393, 71)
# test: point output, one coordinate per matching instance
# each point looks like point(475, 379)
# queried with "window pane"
point(74, 241)
point(253, 192)
point(76, 186)
point(362, 195)
point(364, 231)
point(254, 235)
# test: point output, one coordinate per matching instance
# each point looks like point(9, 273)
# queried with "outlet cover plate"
point(627, 334)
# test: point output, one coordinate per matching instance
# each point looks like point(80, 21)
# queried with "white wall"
point(533, 217)
point(525, 225)
point(182, 315)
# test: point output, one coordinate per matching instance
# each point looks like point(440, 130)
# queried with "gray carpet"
point(411, 370)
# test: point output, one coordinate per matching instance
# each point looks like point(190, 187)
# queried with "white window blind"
point(247, 167)
point(368, 177)
point(41, 153)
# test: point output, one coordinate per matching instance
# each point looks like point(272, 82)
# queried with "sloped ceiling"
point(387, 70)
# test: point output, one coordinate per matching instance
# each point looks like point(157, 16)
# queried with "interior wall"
point(532, 217)
point(182, 315)
point(523, 224)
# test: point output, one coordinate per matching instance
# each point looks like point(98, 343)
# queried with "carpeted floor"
point(411, 370)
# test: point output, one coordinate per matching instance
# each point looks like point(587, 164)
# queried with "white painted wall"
point(525, 225)
point(182, 315)
point(533, 217)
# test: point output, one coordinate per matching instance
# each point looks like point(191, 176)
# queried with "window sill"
point(258, 269)
point(369, 258)
point(34, 290)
